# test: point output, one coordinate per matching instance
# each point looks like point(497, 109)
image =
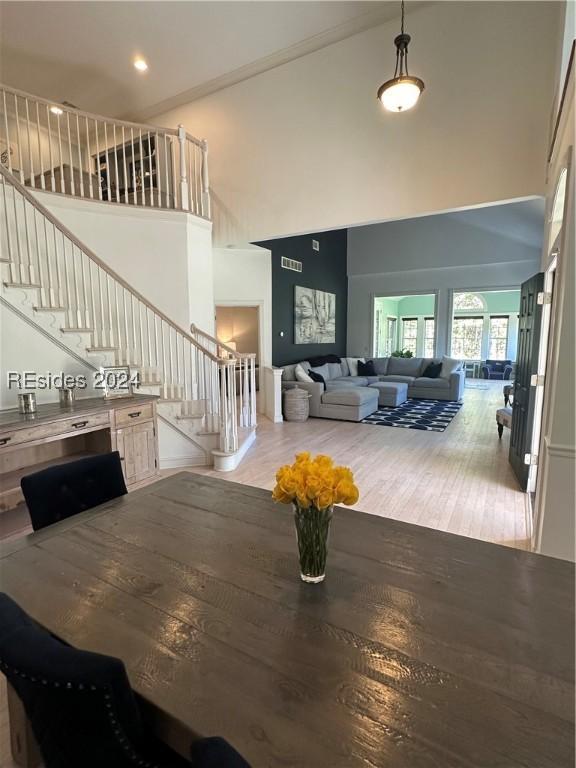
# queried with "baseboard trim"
point(227, 462)
point(180, 462)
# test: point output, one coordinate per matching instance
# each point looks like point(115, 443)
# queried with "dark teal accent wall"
point(324, 270)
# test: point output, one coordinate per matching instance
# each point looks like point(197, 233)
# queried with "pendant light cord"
point(402, 22)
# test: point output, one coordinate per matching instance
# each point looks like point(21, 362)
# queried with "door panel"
point(526, 366)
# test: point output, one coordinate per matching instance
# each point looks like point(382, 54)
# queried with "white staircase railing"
point(69, 278)
point(244, 371)
point(58, 148)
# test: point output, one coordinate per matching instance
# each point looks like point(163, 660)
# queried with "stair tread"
point(50, 309)
point(101, 349)
point(188, 417)
point(22, 285)
point(77, 330)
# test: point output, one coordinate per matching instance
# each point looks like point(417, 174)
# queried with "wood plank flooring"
point(458, 481)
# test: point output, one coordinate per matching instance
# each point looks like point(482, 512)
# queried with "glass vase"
point(312, 528)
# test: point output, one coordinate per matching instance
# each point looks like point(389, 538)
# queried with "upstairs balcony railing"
point(58, 148)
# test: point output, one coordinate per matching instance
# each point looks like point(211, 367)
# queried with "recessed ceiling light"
point(140, 64)
point(56, 110)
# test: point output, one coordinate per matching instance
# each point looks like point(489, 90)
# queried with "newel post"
point(205, 181)
point(184, 195)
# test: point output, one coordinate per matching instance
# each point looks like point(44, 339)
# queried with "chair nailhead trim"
point(122, 740)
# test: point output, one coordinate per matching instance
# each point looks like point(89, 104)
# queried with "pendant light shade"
point(401, 92)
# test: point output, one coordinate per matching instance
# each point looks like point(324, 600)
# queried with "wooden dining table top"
point(420, 649)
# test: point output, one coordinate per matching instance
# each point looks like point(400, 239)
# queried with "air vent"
point(315, 245)
point(295, 266)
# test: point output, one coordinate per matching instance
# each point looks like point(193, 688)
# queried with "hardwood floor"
point(458, 481)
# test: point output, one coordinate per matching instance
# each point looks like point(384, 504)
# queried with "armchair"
point(497, 369)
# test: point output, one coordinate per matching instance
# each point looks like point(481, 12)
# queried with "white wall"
point(165, 255)
point(555, 490)
point(386, 260)
point(23, 348)
point(306, 146)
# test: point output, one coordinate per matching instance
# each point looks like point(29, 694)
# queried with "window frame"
point(403, 345)
point(455, 320)
point(490, 356)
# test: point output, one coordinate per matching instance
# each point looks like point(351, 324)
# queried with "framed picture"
point(314, 316)
point(116, 381)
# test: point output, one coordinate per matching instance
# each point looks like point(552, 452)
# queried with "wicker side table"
point(296, 404)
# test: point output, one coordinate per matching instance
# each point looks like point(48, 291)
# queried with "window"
point(409, 333)
point(428, 337)
point(391, 335)
point(466, 301)
point(498, 337)
point(467, 338)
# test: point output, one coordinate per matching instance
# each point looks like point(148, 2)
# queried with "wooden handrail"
point(102, 264)
point(239, 355)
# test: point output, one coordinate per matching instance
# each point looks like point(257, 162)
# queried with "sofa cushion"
point(323, 370)
point(288, 372)
point(357, 381)
point(381, 365)
point(344, 366)
point(335, 370)
point(317, 377)
point(343, 383)
point(432, 370)
point(354, 396)
point(301, 374)
point(449, 365)
point(353, 364)
point(397, 377)
point(423, 382)
point(367, 368)
point(319, 360)
point(405, 366)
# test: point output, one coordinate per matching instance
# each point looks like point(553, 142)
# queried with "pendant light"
point(402, 91)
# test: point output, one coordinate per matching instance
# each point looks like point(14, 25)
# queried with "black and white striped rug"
point(427, 415)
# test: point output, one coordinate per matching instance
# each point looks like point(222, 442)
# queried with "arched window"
point(469, 301)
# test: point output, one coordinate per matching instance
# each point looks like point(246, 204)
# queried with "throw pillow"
point(301, 374)
point(353, 364)
point(449, 366)
point(317, 377)
point(432, 371)
point(367, 368)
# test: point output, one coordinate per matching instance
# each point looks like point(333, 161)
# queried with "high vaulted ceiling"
point(82, 52)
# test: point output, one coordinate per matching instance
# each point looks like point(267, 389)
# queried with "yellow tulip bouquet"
point(313, 486)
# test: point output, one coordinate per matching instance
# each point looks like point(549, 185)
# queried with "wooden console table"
point(55, 435)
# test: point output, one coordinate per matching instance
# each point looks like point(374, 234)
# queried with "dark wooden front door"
point(526, 366)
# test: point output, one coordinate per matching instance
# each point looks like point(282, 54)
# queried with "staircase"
point(206, 390)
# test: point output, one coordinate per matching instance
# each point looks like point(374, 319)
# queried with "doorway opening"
point(484, 332)
point(405, 324)
point(238, 326)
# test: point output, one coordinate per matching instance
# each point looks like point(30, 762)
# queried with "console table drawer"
point(134, 415)
point(53, 429)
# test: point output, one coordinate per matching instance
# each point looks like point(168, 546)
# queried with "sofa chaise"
point(342, 395)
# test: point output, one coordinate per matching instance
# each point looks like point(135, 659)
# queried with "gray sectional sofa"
point(352, 398)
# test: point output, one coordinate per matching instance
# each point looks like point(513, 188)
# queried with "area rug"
point(427, 415)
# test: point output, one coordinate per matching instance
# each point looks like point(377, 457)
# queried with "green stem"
point(312, 528)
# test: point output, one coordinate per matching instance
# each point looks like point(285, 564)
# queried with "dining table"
point(421, 649)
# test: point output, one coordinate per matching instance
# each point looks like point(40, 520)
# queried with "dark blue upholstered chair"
point(81, 707)
point(64, 490)
point(500, 370)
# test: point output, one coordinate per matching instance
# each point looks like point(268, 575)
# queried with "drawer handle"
point(135, 414)
point(5, 440)
point(79, 424)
